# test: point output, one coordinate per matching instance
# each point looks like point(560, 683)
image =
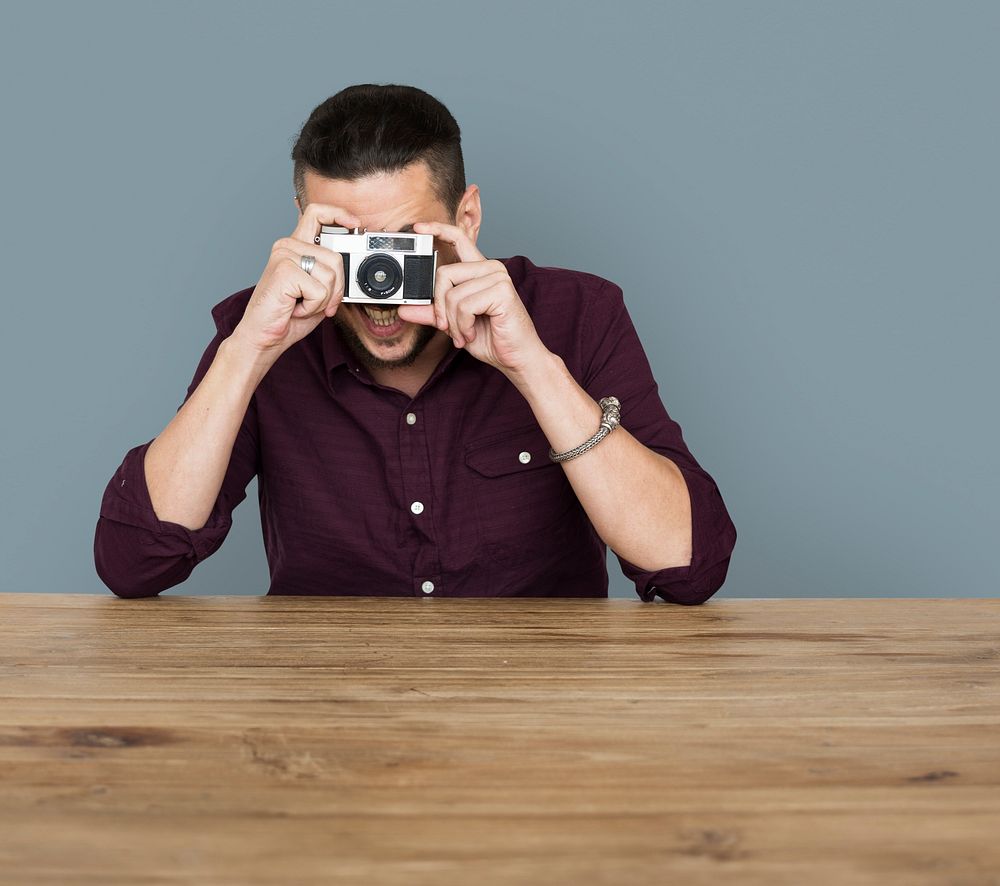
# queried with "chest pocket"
point(521, 495)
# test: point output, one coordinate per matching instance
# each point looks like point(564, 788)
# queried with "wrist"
point(535, 374)
point(244, 358)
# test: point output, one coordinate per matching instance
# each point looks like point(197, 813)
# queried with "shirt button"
point(411, 419)
point(417, 507)
point(524, 457)
point(427, 587)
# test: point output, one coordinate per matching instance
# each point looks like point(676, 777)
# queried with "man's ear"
point(298, 204)
point(470, 213)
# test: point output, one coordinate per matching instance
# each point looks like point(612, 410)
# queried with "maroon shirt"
point(366, 491)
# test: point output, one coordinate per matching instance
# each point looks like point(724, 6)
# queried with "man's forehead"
point(407, 191)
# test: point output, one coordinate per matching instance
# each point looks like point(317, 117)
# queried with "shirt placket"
point(418, 498)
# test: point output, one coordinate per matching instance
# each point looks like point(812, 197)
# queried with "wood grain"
point(252, 740)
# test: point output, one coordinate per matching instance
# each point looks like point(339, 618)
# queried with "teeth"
point(382, 317)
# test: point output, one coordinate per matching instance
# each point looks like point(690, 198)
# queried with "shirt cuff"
point(126, 500)
point(713, 537)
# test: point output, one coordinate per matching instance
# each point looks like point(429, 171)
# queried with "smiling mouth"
point(381, 316)
point(381, 322)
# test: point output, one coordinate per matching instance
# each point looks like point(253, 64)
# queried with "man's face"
point(390, 202)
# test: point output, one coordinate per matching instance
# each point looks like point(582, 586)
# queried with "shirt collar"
point(335, 352)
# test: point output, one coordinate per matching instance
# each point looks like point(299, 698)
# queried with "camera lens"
point(380, 276)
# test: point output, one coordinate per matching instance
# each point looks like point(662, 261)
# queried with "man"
point(410, 452)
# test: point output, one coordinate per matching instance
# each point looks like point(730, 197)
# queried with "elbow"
point(697, 590)
point(121, 580)
point(129, 571)
point(133, 584)
point(127, 591)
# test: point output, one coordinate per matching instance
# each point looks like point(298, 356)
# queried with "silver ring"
point(307, 263)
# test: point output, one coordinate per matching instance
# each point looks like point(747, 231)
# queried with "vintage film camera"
point(384, 268)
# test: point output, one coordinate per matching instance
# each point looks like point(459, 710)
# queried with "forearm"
point(636, 498)
point(186, 464)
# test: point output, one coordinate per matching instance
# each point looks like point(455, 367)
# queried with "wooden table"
point(244, 740)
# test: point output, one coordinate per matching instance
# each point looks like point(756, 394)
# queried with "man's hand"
point(287, 303)
point(476, 303)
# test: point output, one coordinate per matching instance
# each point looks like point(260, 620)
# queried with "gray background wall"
point(820, 306)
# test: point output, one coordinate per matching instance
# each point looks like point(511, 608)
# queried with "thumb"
point(417, 314)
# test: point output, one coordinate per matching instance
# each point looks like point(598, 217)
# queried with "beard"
point(357, 347)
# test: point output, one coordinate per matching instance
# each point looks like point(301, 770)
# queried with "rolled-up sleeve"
point(138, 555)
point(618, 366)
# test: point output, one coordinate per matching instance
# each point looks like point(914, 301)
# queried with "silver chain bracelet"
point(611, 419)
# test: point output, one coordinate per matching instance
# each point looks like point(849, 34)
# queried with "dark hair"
point(370, 128)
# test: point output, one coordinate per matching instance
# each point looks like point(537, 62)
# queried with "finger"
point(312, 292)
point(320, 253)
point(459, 272)
point(436, 315)
point(449, 276)
point(458, 306)
point(418, 314)
point(331, 279)
point(463, 244)
point(485, 303)
point(327, 275)
point(440, 320)
point(317, 214)
point(333, 282)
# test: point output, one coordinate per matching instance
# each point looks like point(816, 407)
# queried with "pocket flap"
point(515, 451)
